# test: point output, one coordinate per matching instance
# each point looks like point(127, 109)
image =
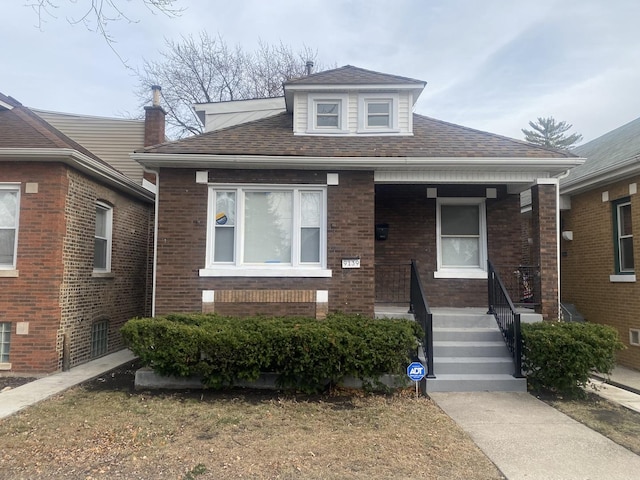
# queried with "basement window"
point(634, 337)
point(5, 342)
point(99, 336)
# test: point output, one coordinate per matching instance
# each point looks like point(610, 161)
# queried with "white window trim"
point(109, 237)
point(237, 268)
point(634, 332)
point(622, 278)
point(479, 272)
point(619, 237)
point(363, 101)
point(343, 122)
point(10, 270)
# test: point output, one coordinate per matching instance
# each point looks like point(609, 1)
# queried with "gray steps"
point(470, 354)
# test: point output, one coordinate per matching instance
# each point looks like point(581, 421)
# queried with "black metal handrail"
point(420, 309)
point(520, 282)
point(501, 307)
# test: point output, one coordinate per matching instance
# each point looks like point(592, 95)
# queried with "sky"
point(492, 65)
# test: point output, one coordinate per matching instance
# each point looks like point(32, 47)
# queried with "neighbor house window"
point(327, 113)
point(461, 238)
point(266, 228)
point(623, 237)
point(102, 243)
point(5, 341)
point(9, 209)
point(99, 336)
point(377, 113)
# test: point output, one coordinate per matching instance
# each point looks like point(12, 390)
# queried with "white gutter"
point(197, 160)
point(81, 162)
point(155, 242)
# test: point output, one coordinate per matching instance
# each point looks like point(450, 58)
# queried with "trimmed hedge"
point(307, 354)
point(560, 356)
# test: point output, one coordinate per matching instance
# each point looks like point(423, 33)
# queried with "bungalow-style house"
point(600, 214)
point(316, 202)
point(74, 240)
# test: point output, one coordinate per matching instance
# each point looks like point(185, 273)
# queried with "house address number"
point(350, 263)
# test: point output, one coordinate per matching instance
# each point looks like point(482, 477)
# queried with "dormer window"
point(378, 113)
point(327, 113)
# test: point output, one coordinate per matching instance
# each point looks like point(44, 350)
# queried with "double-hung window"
point(102, 238)
point(327, 113)
point(9, 210)
point(623, 240)
point(378, 113)
point(266, 231)
point(461, 238)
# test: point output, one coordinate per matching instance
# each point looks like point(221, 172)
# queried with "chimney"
point(309, 66)
point(154, 119)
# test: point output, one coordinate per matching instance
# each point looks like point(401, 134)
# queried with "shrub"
point(560, 356)
point(307, 354)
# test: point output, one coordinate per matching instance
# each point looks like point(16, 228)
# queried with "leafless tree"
point(203, 69)
point(97, 15)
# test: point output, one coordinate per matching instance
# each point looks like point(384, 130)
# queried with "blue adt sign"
point(415, 371)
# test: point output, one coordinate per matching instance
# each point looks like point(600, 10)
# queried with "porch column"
point(544, 231)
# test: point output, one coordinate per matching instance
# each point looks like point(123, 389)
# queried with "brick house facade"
point(57, 309)
point(593, 278)
point(346, 153)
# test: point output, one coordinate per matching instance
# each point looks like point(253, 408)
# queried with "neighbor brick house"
point(74, 244)
point(601, 213)
point(307, 208)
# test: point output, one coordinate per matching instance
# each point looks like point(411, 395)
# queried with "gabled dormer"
point(352, 101)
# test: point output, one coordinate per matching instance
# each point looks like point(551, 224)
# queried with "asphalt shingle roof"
point(350, 75)
point(607, 152)
point(273, 136)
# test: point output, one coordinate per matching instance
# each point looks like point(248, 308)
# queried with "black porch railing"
point(502, 308)
point(393, 283)
point(520, 283)
point(422, 313)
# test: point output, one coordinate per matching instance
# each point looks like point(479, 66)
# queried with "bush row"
point(307, 354)
point(560, 356)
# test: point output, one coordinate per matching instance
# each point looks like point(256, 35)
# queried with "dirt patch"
point(7, 383)
point(610, 419)
point(105, 429)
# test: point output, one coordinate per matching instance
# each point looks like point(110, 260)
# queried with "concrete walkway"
point(528, 439)
point(623, 387)
point(14, 400)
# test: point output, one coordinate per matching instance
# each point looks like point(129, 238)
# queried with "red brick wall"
point(545, 248)
point(55, 290)
point(34, 296)
point(412, 235)
point(116, 297)
point(182, 242)
point(588, 261)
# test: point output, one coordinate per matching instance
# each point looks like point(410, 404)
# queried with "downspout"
point(155, 239)
point(559, 177)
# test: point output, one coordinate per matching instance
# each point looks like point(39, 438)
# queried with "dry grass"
point(611, 420)
point(100, 432)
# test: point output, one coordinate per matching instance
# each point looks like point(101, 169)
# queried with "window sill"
point(103, 275)
point(9, 273)
point(622, 278)
point(472, 273)
point(5, 366)
point(226, 271)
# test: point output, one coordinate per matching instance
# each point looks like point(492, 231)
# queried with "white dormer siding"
point(352, 111)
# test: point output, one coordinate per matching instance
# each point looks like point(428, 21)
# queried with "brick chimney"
point(154, 120)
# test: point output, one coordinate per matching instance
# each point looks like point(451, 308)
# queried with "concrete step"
point(462, 319)
point(442, 334)
point(469, 349)
point(476, 383)
point(473, 365)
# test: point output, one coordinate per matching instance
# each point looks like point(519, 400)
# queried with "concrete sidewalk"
point(30, 393)
point(622, 387)
point(528, 439)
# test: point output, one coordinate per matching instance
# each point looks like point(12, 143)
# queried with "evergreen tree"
point(546, 132)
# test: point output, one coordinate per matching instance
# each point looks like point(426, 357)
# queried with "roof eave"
point(81, 162)
point(601, 177)
point(551, 166)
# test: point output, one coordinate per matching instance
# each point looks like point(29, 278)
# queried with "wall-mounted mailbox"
point(382, 231)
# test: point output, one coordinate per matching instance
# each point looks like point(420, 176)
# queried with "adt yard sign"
point(416, 371)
